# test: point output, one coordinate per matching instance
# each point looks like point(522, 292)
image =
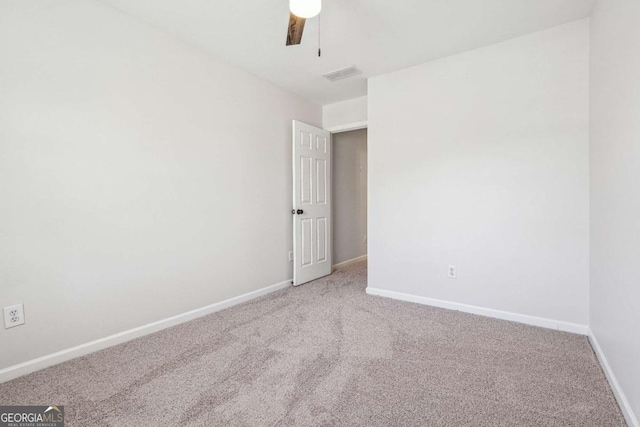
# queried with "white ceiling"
point(378, 36)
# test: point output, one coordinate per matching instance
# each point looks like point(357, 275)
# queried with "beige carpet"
point(328, 354)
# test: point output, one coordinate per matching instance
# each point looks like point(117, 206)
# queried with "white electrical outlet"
point(290, 255)
point(452, 272)
point(13, 316)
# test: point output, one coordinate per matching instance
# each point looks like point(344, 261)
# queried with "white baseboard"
point(624, 404)
point(350, 261)
point(30, 366)
point(482, 311)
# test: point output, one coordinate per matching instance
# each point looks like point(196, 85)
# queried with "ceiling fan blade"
point(295, 29)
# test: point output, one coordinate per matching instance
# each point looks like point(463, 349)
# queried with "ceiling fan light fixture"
point(305, 8)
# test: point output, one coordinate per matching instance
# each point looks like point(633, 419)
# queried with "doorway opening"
point(349, 190)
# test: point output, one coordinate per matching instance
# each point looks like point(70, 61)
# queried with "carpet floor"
point(327, 354)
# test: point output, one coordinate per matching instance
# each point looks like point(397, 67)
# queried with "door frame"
point(347, 127)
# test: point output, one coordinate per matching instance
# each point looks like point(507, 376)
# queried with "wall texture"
point(345, 112)
point(481, 160)
point(139, 178)
point(349, 195)
point(615, 189)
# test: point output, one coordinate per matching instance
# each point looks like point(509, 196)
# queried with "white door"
point(311, 203)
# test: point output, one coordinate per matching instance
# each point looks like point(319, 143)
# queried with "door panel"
point(307, 241)
point(321, 182)
point(321, 144)
point(306, 180)
point(312, 203)
point(322, 240)
point(306, 139)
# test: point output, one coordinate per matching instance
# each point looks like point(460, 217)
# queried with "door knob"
point(299, 211)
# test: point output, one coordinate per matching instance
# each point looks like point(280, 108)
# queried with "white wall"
point(139, 177)
point(344, 113)
point(481, 160)
point(615, 190)
point(349, 181)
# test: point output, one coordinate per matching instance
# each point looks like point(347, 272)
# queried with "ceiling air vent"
point(343, 73)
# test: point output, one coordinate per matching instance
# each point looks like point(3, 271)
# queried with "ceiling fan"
point(300, 10)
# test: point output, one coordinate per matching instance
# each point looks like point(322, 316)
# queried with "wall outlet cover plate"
point(452, 272)
point(13, 316)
